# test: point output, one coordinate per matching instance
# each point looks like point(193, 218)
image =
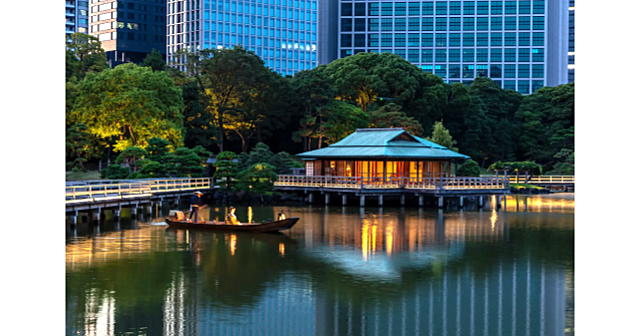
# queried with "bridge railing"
point(131, 189)
point(541, 179)
point(435, 182)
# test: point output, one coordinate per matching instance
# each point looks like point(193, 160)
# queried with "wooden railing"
point(541, 179)
point(448, 183)
point(131, 189)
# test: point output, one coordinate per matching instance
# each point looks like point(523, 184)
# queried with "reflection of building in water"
point(512, 299)
point(180, 308)
point(99, 314)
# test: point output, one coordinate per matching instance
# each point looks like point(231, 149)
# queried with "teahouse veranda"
point(382, 155)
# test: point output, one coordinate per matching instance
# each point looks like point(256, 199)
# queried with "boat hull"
point(280, 225)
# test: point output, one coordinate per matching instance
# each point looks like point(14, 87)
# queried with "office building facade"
point(128, 29)
point(572, 47)
point(76, 14)
point(283, 33)
point(522, 45)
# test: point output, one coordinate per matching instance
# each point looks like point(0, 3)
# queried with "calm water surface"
point(339, 271)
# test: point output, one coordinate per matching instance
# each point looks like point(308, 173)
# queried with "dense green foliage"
point(226, 169)
point(228, 100)
point(469, 168)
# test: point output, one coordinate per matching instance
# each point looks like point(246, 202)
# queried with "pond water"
point(339, 271)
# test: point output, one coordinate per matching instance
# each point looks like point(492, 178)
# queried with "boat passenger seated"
point(231, 217)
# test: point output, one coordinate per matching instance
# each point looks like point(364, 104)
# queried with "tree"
point(154, 60)
point(115, 171)
point(186, 163)
point(226, 169)
point(340, 120)
point(130, 155)
point(257, 179)
point(158, 150)
point(84, 54)
point(131, 104)
point(391, 115)
point(198, 123)
point(469, 168)
point(442, 137)
point(80, 145)
point(282, 162)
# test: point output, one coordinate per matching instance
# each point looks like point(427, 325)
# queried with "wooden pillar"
point(384, 172)
point(344, 199)
point(401, 199)
point(362, 200)
point(420, 200)
point(504, 201)
point(461, 201)
point(134, 210)
point(310, 200)
point(326, 198)
point(74, 219)
point(96, 214)
point(480, 201)
point(380, 200)
point(440, 202)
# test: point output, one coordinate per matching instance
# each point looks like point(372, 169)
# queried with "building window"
point(454, 24)
point(510, 7)
point(360, 9)
point(401, 40)
point(538, 7)
point(414, 24)
point(427, 8)
point(538, 39)
point(345, 25)
point(414, 8)
point(523, 55)
point(374, 8)
point(510, 55)
point(537, 71)
point(427, 40)
point(536, 84)
point(496, 23)
point(374, 24)
point(481, 70)
point(482, 55)
point(401, 8)
point(482, 39)
point(510, 71)
point(496, 39)
point(496, 71)
point(523, 71)
point(469, 24)
point(427, 24)
point(345, 40)
point(441, 8)
point(468, 39)
point(483, 23)
point(441, 40)
point(523, 87)
point(386, 24)
point(538, 23)
point(441, 70)
point(483, 8)
point(454, 8)
point(347, 9)
point(427, 56)
point(468, 55)
point(524, 23)
point(509, 39)
point(427, 68)
point(414, 55)
point(525, 7)
point(496, 7)
point(400, 24)
point(469, 7)
point(467, 71)
point(441, 23)
point(359, 40)
point(524, 39)
point(454, 70)
point(454, 55)
point(454, 40)
point(441, 55)
point(510, 23)
point(387, 9)
point(496, 55)
point(386, 40)
point(360, 25)
point(509, 85)
point(537, 55)
point(414, 40)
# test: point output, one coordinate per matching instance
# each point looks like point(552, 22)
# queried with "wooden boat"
point(280, 225)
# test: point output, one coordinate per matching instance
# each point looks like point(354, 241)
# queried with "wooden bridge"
point(436, 186)
point(547, 181)
point(94, 196)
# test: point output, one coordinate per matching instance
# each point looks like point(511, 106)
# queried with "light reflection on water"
point(339, 271)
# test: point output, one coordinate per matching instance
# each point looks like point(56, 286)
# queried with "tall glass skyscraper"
point(282, 32)
point(572, 49)
point(76, 14)
point(522, 45)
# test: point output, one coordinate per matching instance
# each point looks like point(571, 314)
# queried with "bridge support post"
point(420, 200)
point(150, 209)
point(480, 201)
point(74, 220)
point(310, 199)
point(440, 202)
point(461, 201)
point(380, 200)
point(402, 200)
point(504, 201)
point(326, 198)
point(344, 199)
point(96, 215)
point(362, 200)
point(134, 211)
point(176, 201)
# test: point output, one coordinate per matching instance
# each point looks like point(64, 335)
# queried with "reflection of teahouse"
point(231, 217)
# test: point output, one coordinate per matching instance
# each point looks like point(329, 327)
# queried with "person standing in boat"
point(196, 205)
point(231, 217)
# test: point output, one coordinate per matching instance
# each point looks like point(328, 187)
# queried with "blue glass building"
point(76, 16)
point(522, 45)
point(282, 32)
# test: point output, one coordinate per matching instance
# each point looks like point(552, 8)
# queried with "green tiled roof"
point(383, 143)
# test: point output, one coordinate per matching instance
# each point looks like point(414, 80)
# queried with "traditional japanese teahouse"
point(379, 155)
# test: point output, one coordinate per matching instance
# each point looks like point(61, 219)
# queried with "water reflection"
point(340, 271)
